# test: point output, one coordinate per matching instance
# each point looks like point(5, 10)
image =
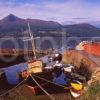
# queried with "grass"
point(93, 93)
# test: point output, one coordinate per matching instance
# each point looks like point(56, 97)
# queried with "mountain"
point(83, 30)
point(69, 22)
point(13, 24)
point(95, 23)
point(11, 18)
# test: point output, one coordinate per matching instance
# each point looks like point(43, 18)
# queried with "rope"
point(51, 82)
point(42, 88)
point(12, 88)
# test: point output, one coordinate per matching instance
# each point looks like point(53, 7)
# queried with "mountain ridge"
point(14, 26)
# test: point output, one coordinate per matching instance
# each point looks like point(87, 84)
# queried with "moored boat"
point(89, 47)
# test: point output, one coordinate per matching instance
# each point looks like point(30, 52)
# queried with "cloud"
point(58, 11)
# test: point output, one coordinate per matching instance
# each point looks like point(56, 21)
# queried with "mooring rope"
point(12, 88)
point(64, 87)
point(42, 88)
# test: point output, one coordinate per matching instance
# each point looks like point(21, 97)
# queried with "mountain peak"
point(11, 18)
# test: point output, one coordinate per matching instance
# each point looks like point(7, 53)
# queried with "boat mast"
point(32, 41)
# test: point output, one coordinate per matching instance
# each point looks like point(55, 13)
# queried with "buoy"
point(77, 85)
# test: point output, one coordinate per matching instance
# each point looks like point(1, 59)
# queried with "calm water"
point(43, 42)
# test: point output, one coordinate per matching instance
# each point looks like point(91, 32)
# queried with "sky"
point(56, 10)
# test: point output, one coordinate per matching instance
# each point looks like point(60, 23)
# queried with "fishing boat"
point(10, 78)
point(38, 77)
point(90, 47)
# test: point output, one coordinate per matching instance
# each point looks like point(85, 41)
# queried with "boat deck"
point(77, 57)
point(94, 58)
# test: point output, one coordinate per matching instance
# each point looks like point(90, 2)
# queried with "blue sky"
point(56, 10)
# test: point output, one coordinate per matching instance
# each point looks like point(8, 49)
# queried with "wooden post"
point(32, 41)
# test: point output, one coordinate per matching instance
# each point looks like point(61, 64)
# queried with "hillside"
point(13, 25)
point(83, 30)
point(95, 23)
